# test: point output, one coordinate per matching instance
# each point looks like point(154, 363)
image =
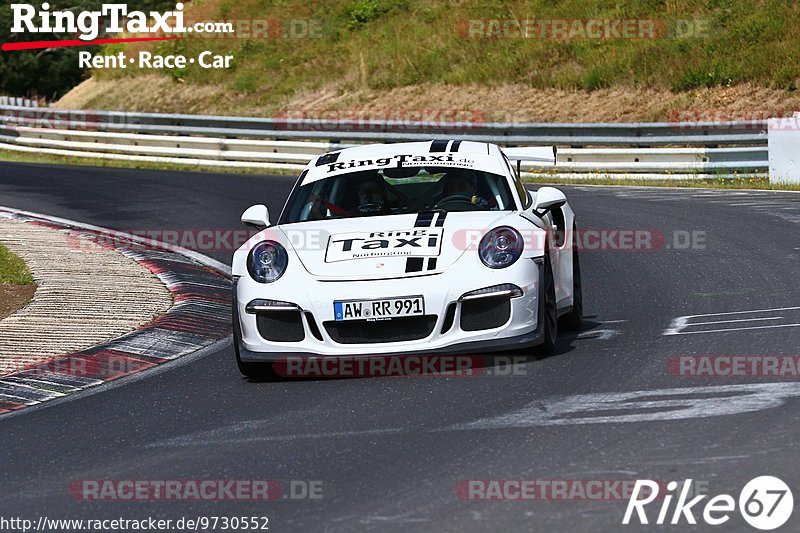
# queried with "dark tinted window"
point(398, 191)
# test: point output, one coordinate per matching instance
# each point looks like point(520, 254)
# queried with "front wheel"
point(548, 312)
point(574, 319)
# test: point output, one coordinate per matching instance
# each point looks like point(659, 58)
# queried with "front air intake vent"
point(380, 331)
point(281, 326)
point(485, 313)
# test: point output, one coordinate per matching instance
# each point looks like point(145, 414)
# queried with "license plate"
point(384, 309)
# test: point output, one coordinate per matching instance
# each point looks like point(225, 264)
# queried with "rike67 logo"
point(765, 503)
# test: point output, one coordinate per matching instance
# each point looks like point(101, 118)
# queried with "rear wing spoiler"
point(541, 156)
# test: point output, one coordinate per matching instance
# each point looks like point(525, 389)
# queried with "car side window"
point(524, 197)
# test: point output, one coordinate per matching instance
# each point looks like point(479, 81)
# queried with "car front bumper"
point(315, 299)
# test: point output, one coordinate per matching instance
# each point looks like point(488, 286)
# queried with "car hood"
point(392, 246)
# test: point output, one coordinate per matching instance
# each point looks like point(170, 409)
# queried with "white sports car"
point(412, 248)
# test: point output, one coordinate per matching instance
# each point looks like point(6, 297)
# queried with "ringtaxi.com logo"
point(88, 25)
point(765, 503)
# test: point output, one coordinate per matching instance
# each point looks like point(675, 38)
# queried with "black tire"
point(574, 319)
point(548, 310)
point(250, 370)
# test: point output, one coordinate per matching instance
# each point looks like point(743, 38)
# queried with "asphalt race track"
point(391, 451)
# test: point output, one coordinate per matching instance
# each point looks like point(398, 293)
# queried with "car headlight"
point(501, 247)
point(267, 261)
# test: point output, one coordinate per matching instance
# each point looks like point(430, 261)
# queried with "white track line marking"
point(746, 312)
point(642, 406)
point(682, 323)
point(678, 324)
point(596, 408)
point(736, 321)
point(599, 334)
point(741, 204)
point(602, 334)
point(735, 329)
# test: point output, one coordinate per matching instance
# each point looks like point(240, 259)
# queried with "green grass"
point(11, 156)
point(382, 44)
point(12, 269)
point(721, 182)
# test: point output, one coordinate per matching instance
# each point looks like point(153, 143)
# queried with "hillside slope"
point(723, 57)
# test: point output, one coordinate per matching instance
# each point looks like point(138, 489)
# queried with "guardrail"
point(21, 102)
point(663, 149)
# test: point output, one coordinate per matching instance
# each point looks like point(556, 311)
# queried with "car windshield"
point(398, 191)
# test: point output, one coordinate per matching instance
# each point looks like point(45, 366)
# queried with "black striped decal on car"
point(415, 264)
point(425, 219)
point(439, 146)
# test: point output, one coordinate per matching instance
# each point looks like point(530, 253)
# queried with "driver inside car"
point(373, 197)
point(465, 185)
point(322, 208)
